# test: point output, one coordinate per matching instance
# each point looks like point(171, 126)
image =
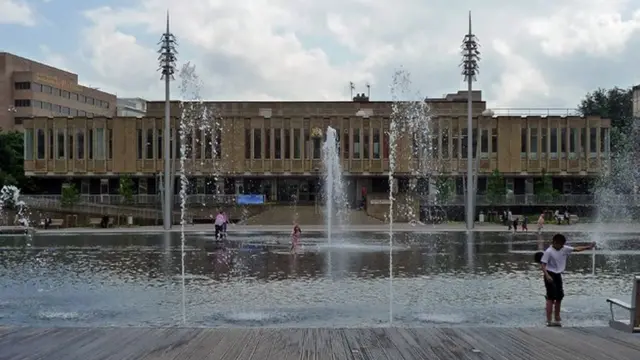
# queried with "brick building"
point(29, 88)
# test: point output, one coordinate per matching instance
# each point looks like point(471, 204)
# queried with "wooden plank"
point(319, 344)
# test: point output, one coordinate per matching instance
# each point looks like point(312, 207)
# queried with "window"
point(36, 104)
point(583, 142)
point(81, 98)
point(296, 143)
point(307, 144)
point(57, 108)
point(70, 149)
point(455, 146)
point(159, 144)
point(73, 96)
point(81, 113)
point(198, 144)
point(523, 142)
point(494, 141)
point(345, 141)
point(22, 103)
point(139, 140)
point(474, 143)
point(24, 85)
point(464, 146)
point(217, 148)
point(385, 144)
point(593, 142)
point(51, 143)
point(73, 112)
point(37, 87)
point(543, 142)
point(65, 110)
point(563, 142)
point(365, 145)
point(65, 94)
point(28, 144)
point(533, 135)
point(573, 141)
point(257, 143)
point(46, 106)
point(61, 143)
point(553, 143)
point(444, 135)
point(277, 143)
point(287, 143)
point(247, 144)
point(80, 144)
point(208, 145)
point(317, 148)
point(56, 92)
point(484, 141)
point(47, 89)
point(186, 147)
point(40, 144)
point(100, 141)
point(434, 144)
point(376, 143)
point(267, 143)
point(603, 140)
point(356, 144)
point(90, 144)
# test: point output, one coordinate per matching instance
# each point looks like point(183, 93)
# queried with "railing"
point(525, 200)
point(138, 199)
point(535, 112)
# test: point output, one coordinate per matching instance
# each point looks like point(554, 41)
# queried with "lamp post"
point(470, 69)
point(167, 67)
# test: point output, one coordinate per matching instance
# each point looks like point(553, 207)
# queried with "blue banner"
point(249, 199)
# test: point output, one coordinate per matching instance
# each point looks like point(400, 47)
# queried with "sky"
point(534, 54)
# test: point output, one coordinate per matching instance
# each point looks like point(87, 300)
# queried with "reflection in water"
point(438, 279)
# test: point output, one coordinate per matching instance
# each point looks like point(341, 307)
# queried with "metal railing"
point(151, 200)
point(526, 200)
point(535, 112)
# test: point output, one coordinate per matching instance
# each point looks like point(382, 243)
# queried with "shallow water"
point(445, 279)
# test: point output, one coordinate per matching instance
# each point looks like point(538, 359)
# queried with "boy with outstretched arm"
point(553, 262)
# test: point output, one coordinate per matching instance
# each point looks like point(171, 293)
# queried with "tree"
point(12, 161)
point(616, 104)
point(445, 187)
point(70, 195)
point(125, 189)
point(496, 188)
point(544, 188)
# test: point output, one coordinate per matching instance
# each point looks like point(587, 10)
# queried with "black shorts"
point(554, 288)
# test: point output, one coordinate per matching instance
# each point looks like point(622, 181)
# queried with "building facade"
point(274, 148)
point(32, 89)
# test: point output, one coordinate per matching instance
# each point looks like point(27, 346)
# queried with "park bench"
point(632, 323)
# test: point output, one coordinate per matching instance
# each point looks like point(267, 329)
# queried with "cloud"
point(16, 12)
point(310, 50)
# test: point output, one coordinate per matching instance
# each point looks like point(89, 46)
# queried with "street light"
point(167, 67)
point(470, 69)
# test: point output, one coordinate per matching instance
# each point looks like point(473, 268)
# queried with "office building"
point(32, 89)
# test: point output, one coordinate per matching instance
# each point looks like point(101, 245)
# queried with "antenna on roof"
point(352, 87)
point(368, 90)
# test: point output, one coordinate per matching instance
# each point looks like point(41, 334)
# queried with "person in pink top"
point(218, 224)
point(295, 238)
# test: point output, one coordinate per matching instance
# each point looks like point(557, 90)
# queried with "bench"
point(632, 323)
point(95, 222)
point(56, 223)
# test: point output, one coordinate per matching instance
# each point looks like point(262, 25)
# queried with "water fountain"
point(202, 119)
point(409, 115)
point(10, 200)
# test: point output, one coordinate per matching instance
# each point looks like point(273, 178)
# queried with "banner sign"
point(250, 199)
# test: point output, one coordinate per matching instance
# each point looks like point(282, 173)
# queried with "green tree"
point(496, 188)
point(70, 195)
point(446, 188)
point(544, 188)
point(12, 161)
point(616, 104)
point(125, 189)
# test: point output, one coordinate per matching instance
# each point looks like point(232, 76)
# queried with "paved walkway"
point(381, 228)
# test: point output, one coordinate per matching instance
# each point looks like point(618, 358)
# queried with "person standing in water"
point(540, 223)
point(295, 238)
point(553, 263)
point(218, 224)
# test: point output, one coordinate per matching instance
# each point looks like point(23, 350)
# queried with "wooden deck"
point(321, 344)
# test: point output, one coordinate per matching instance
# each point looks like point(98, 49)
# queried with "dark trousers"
point(554, 288)
point(218, 231)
